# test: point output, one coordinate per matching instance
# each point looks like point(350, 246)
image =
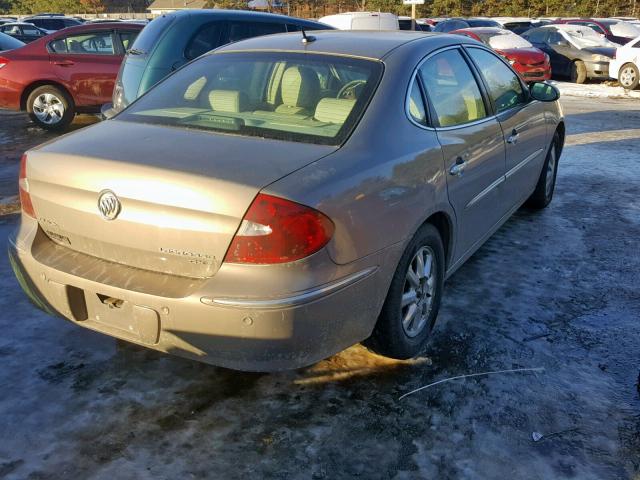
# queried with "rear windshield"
point(8, 43)
point(151, 33)
point(296, 97)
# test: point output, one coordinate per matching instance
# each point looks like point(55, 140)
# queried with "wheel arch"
point(444, 224)
point(41, 83)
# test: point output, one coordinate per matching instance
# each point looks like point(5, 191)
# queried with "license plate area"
point(123, 318)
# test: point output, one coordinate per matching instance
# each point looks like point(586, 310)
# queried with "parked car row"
point(75, 69)
point(104, 66)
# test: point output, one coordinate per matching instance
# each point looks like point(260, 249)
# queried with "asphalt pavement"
point(555, 290)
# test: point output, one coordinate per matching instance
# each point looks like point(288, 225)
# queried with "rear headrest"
point(334, 110)
point(300, 87)
point(231, 101)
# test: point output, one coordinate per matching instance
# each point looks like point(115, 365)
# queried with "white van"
point(362, 21)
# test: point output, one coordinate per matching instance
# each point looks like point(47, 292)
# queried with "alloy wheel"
point(627, 76)
point(551, 171)
point(418, 292)
point(48, 108)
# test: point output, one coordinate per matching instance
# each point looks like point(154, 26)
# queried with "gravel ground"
point(556, 290)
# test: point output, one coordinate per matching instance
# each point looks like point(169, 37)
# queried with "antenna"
point(307, 38)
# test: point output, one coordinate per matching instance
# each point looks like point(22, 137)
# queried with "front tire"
point(413, 301)
point(578, 72)
point(543, 194)
point(629, 76)
point(50, 108)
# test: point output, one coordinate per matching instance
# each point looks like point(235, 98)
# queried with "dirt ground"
point(556, 290)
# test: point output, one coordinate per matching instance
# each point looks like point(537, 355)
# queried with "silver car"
point(285, 197)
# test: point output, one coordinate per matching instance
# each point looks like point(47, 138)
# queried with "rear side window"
point(97, 43)
point(127, 39)
point(415, 104)
point(150, 34)
point(207, 38)
point(30, 31)
point(452, 89)
point(505, 89)
point(48, 23)
point(241, 30)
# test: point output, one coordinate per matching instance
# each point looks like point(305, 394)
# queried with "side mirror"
point(544, 92)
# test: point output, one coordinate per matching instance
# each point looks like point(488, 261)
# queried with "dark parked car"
point(25, 32)
point(576, 52)
point(172, 40)
point(66, 72)
point(9, 43)
point(451, 24)
point(616, 31)
point(52, 22)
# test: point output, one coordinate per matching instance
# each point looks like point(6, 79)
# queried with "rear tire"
point(578, 72)
point(543, 194)
point(399, 333)
point(629, 76)
point(50, 108)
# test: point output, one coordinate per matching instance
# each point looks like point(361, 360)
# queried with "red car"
point(616, 31)
point(70, 71)
point(531, 63)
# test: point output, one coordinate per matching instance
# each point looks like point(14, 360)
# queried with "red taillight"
point(3, 61)
point(23, 186)
point(275, 230)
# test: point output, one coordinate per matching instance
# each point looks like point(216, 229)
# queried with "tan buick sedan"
point(282, 198)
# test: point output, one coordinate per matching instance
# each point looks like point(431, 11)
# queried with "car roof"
point(487, 30)
point(224, 13)
point(374, 44)
point(9, 24)
point(100, 26)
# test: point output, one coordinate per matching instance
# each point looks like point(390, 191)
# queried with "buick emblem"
point(109, 205)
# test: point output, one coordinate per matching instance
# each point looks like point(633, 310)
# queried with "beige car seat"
point(300, 89)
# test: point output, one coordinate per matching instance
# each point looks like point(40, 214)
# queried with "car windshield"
point(296, 97)
point(585, 38)
point(504, 40)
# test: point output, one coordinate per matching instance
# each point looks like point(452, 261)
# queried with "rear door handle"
point(513, 138)
point(458, 169)
point(64, 63)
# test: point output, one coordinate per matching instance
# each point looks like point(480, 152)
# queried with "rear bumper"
point(9, 95)
point(597, 70)
point(265, 334)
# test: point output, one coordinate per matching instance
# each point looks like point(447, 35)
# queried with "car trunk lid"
point(182, 194)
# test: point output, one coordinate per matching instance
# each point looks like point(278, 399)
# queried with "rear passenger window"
point(208, 38)
point(241, 30)
point(452, 89)
point(505, 88)
point(127, 39)
point(416, 104)
point(99, 43)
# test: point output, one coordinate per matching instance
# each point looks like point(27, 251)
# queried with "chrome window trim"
point(410, 87)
